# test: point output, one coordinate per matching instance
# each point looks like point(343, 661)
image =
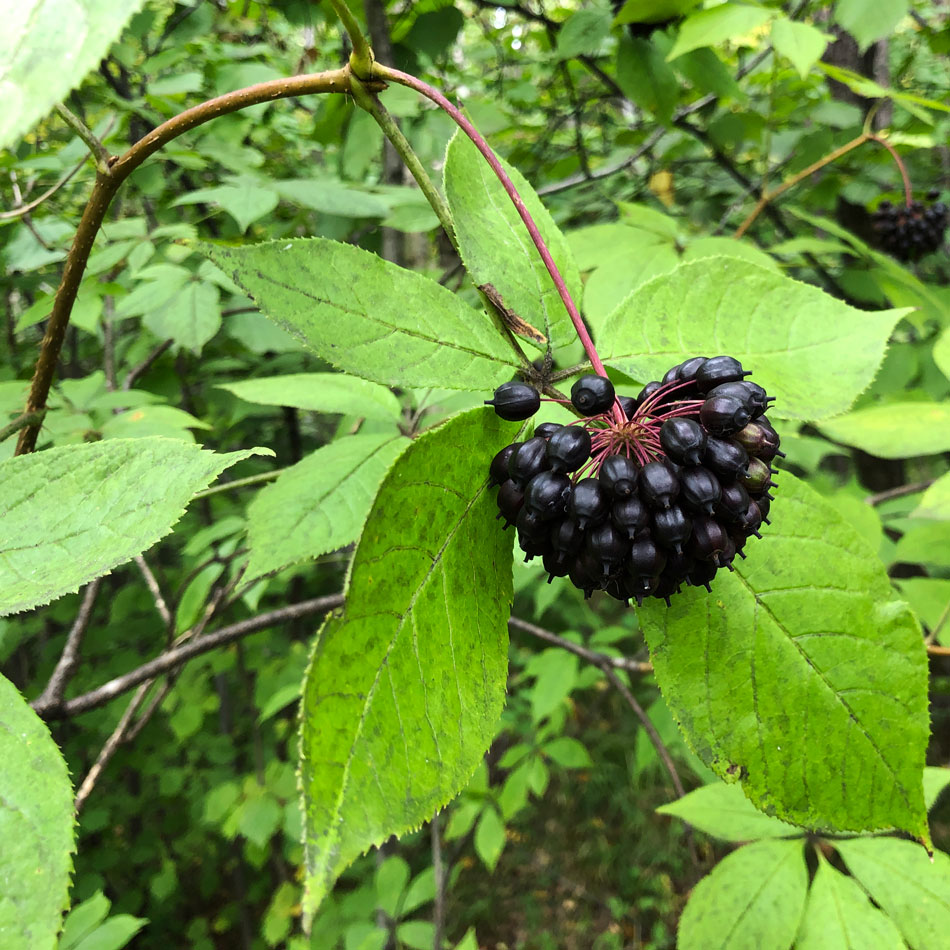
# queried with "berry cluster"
point(643, 494)
point(910, 231)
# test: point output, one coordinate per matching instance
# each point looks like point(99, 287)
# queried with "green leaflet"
point(839, 916)
point(912, 890)
point(319, 392)
point(320, 503)
point(404, 688)
point(73, 513)
point(36, 827)
point(723, 811)
point(367, 316)
point(801, 676)
point(752, 900)
point(46, 47)
point(787, 333)
point(895, 430)
point(716, 25)
point(495, 244)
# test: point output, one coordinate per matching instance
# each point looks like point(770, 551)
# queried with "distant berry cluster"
point(643, 494)
point(909, 231)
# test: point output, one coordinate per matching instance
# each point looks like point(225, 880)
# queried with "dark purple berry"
point(759, 438)
point(671, 527)
point(532, 525)
point(628, 404)
point(708, 540)
point(608, 545)
point(683, 440)
point(646, 559)
point(569, 448)
point(498, 470)
point(758, 476)
point(630, 516)
point(557, 564)
point(529, 459)
point(718, 369)
point(515, 401)
point(701, 573)
point(723, 415)
point(547, 493)
point(589, 504)
point(567, 537)
point(659, 484)
point(699, 490)
point(726, 459)
point(592, 395)
point(690, 368)
point(619, 475)
point(751, 521)
point(547, 429)
point(510, 499)
point(733, 502)
point(648, 391)
point(755, 399)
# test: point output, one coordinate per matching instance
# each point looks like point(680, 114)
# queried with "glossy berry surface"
point(650, 491)
point(515, 402)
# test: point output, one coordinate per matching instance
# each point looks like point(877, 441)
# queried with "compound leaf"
point(74, 513)
point(36, 827)
point(46, 47)
point(495, 244)
point(801, 676)
point(839, 916)
point(367, 316)
point(787, 333)
point(319, 504)
point(404, 688)
point(912, 889)
point(752, 900)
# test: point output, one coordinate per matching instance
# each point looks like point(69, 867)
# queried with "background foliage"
point(649, 136)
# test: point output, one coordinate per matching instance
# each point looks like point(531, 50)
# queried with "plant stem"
point(241, 483)
point(21, 422)
point(100, 154)
point(899, 163)
point(395, 75)
point(361, 59)
point(105, 188)
point(769, 196)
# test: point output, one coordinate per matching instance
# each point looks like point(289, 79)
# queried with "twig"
point(438, 872)
point(934, 650)
point(899, 492)
point(23, 209)
point(21, 422)
point(597, 659)
point(52, 695)
point(100, 154)
point(938, 626)
point(174, 657)
point(146, 364)
point(108, 183)
point(241, 483)
point(161, 605)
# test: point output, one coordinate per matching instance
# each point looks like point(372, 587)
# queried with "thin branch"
point(934, 650)
point(21, 422)
point(438, 872)
point(100, 154)
point(880, 497)
point(22, 209)
point(241, 483)
point(52, 695)
point(938, 626)
point(108, 183)
point(174, 657)
point(161, 605)
point(589, 656)
point(145, 365)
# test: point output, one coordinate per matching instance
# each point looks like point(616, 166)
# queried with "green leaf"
point(369, 317)
point(568, 752)
point(928, 596)
point(935, 781)
point(751, 900)
point(495, 244)
point(619, 275)
point(646, 78)
point(246, 202)
point(392, 876)
point(555, 672)
point(645, 218)
point(935, 502)
point(416, 934)
point(787, 333)
point(114, 934)
point(724, 811)
point(839, 916)
point(869, 21)
point(583, 32)
point(895, 430)
point(36, 826)
point(653, 11)
point(941, 352)
point(74, 513)
point(800, 43)
point(83, 919)
point(152, 421)
point(46, 48)
point(319, 392)
point(332, 197)
point(489, 839)
point(404, 689)
point(727, 247)
point(727, 21)
point(912, 889)
point(801, 676)
point(319, 504)
point(191, 317)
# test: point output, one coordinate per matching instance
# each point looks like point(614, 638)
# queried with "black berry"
point(592, 395)
point(515, 401)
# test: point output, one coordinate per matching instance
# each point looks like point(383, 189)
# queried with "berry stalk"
point(395, 75)
point(900, 166)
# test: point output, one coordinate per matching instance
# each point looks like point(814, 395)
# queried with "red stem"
point(387, 72)
point(899, 163)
